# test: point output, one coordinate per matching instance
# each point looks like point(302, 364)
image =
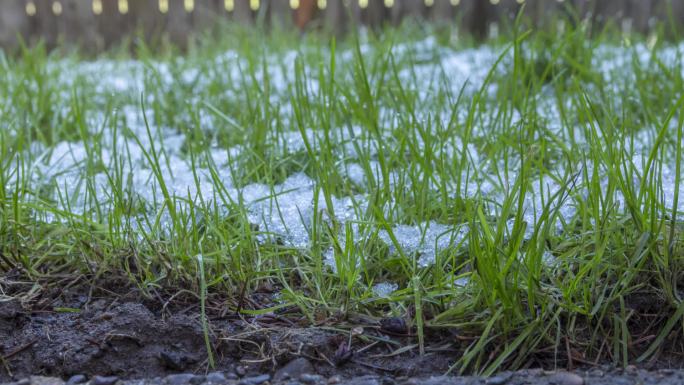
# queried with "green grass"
point(540, 128)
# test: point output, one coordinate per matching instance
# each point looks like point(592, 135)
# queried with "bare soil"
point(78, 327)
point(113, 330)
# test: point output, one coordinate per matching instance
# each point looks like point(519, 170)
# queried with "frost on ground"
point(126, 160)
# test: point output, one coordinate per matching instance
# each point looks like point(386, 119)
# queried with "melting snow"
point(385, 289)
point(285, 212)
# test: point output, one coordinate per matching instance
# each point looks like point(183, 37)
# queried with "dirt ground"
point(129, 340)
point(111, 329)
point(80, 331)
point(526, 377)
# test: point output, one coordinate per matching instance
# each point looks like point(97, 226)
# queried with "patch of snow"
point(385, 289)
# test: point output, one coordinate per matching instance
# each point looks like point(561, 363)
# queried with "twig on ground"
point(19, 349)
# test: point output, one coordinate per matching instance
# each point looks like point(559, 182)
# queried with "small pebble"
point(100, 380)
point(173, 360)
point(439, 380)
point(183, 379)
point(76, 379)
point(334, 380)
point(216, 378)
point(496, 380)
point(566, 378)
point(621, 381)
point(41, 380)
point(256, 380)
point(293, 369)
point(367, 380)
point(240, 371)
point(631, 369)
point(311, 378)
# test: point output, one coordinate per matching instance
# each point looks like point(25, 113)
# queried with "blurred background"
point(99, 24)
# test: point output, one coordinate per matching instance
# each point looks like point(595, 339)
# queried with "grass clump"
point(522, 195)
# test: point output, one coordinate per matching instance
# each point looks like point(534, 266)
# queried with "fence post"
point(242, 12)
point(442, 10)
point(336, 16)
point(74, 20)
point(374, 14)
point(280, 14)
point(13, 21)
point(476, 16)
point(77, 24)
point(304, 14)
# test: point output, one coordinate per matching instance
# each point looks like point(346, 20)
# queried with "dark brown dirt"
point(95, 330)
point(596, 376)
point(131, 341)
point(108, 328)
point(126, 339)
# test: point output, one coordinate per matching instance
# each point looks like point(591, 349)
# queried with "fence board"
point(13, 21)
point(77, 22)
point(442, 10)
point(242, 12)
point(335, 15)
point(280, 13)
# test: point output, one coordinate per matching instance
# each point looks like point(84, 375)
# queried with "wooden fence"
point(100, 23)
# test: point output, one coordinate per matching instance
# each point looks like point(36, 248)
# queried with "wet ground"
point(111, 330)
point(529, 377)
point(128, 340)
point(113, 335)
